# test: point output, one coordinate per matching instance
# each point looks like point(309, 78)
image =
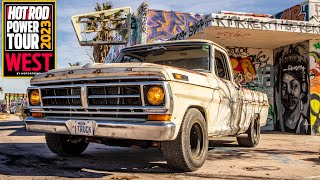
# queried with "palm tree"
point(74, 64)
point(104, 33)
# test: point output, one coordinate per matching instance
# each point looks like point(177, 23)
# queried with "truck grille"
point(119, 95)
point(116, 100)
point(70, 96)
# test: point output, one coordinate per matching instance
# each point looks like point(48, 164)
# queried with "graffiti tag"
point(229, 35)
point(243, 22)
point(295, 68)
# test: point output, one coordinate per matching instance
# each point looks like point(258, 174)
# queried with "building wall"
point(163, 25)
point(253, 69)
point(315, 86)
point(292, 88)
point(298, 12)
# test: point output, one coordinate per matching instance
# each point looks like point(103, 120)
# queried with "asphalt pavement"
point(24, 155)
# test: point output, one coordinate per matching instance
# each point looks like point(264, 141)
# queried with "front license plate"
point(82, 127)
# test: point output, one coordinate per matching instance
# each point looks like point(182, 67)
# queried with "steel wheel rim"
point(196, 140)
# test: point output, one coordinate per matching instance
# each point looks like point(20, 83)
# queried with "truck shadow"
point(34, 159)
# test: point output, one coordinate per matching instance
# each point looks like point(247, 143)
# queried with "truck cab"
point(173, 95)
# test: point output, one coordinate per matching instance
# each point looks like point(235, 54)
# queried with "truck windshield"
point(191, 57)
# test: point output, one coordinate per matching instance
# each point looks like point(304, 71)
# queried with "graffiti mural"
point(315, 63)
point(298, 12)
point(162, 25)
point(197, 27)
point(139, 25)
point(315, 113)
point(252, 66)
point(253, 69)
point(292, 88)
point(315, 87)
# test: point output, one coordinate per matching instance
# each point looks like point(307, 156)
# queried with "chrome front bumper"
point(156, 131)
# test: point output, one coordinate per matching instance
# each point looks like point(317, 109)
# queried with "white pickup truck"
point(173, 95)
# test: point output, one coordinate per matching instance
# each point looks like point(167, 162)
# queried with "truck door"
point(229, 112)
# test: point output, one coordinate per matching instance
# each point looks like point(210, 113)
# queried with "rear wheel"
point(189, 150)
point(66, 145)
point(253, 133)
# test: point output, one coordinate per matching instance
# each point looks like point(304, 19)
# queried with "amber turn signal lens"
point(37, 114)
point(159, 117)
point(34, 97)
point(180, 77)
point(155, 95)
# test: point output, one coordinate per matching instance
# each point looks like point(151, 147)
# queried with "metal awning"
point(252, 38)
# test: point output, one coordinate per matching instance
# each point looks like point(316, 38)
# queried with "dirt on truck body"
point(172, 95)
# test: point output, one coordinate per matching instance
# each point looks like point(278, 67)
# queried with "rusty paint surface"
point(228, 109)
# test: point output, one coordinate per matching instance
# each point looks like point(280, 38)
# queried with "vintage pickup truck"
point(173, 95)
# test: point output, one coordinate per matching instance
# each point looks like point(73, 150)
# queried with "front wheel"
point(253, 133)
point(66, 145)
point(189, 150)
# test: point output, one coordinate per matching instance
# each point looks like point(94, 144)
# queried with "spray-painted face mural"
point(292, 88)
point(291, 92)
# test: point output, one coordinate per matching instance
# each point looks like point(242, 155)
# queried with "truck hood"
point(120, 70)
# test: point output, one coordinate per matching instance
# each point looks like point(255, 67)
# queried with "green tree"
point(105, 31)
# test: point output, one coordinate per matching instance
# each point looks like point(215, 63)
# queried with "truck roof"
point(175, 42)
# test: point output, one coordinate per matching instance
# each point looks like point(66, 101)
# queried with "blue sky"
point(68, 49)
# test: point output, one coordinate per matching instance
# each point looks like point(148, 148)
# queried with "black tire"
point(253, 132)
point(65, 145)
point(189, 150)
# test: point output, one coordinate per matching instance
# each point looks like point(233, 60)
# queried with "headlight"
point(34, 97)
point(155, 95)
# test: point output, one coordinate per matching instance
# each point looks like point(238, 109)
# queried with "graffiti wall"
point(292, 88)
point(315, 87)
point(138, 32)
point(139, 25)
point(314, 10)
point(253, 68)
point(298, 12)
point(162, 25)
